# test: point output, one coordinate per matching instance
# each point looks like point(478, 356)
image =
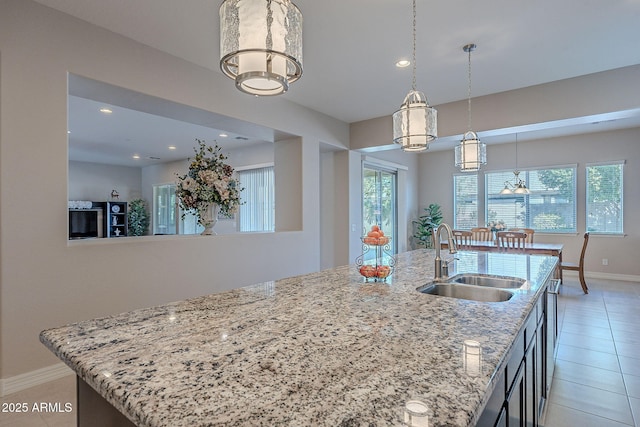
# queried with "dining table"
point(535, 248)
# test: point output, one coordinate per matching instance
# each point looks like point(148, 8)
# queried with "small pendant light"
point(415, 123)
point(471, 153)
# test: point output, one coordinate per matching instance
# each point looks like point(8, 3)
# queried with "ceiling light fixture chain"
point(413, 85)
point(469, 48)
point(415, 123)
point(516, 151)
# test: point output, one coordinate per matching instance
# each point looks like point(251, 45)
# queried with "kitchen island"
point(323, 349)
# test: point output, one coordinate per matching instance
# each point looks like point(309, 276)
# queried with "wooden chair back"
point(584, 251)
point(462, 238)
point(511, 241)
point(528, 231)
point(482, 234)
point(579, 267)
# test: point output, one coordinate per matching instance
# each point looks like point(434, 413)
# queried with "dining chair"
point(482, 234)
point(528, 231)
point(511, 241)
point(462, 238)
point(579, 267)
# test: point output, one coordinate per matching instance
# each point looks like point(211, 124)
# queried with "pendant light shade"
point(415, 123)
point(471, 153)
point(261, 44)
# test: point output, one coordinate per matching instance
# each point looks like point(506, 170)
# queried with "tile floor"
point(596, 381)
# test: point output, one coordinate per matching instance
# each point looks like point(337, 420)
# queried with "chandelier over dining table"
point(518, 186)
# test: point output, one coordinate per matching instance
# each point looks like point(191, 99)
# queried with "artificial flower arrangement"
point(497, 226)
point(209, 180)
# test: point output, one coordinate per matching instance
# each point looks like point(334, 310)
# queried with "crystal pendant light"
point(415, 123)
point(519, 186)
point(261, 44)
point(471, 154)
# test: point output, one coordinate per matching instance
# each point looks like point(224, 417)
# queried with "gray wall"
point(93, 181)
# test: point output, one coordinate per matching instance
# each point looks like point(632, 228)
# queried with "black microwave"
point(85, 223)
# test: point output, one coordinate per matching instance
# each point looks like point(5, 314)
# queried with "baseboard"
point(605, 276)
point(33, 378)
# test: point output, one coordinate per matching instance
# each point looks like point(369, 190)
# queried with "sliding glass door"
point(379, 201)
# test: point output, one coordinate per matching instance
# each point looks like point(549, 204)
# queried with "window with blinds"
point(258, 208)
point(604, 198)
point(550, 207)
point(465, 200)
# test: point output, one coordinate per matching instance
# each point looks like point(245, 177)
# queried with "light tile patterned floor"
point(597, 377)
point(596, 381)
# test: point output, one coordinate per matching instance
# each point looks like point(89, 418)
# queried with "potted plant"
point(425, 224)
point(138, 218)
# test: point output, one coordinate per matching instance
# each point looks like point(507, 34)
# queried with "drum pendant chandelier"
point(261, 44)
point(415, 123)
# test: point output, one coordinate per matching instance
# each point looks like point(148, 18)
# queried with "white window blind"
point(550, 207)
point(257, 211)
point(604, 198)
point(465, 199)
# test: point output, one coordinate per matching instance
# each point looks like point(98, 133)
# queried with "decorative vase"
point(207, 217)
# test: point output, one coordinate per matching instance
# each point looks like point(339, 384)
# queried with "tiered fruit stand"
point(381, 266)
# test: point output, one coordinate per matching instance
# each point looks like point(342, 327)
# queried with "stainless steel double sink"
point(475, 287)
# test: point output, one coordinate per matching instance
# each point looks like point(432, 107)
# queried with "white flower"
point(208, 181)
point(209, 177)
point(189, 184)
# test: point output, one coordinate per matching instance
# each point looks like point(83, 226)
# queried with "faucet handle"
point(445, 266)
point(450, 260)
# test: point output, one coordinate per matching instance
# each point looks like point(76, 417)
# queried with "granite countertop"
point(323, 349)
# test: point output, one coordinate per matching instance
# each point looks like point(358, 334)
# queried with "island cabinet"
point(523, 385)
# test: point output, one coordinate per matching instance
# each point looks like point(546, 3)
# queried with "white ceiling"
point(350, 47)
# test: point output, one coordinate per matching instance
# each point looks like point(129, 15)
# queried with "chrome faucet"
point(452, 248)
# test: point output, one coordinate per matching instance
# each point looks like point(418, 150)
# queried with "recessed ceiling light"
point(403, 63)
point(136, 156)
point(223, 135)
point(172, 147)
point(106, 110)
point(68, 132)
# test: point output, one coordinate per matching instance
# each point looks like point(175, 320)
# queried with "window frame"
point(622, 164)
point(529, 221)
point(380, 167)
point(455, 200)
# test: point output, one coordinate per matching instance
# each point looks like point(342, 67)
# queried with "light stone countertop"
point(323, 349)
